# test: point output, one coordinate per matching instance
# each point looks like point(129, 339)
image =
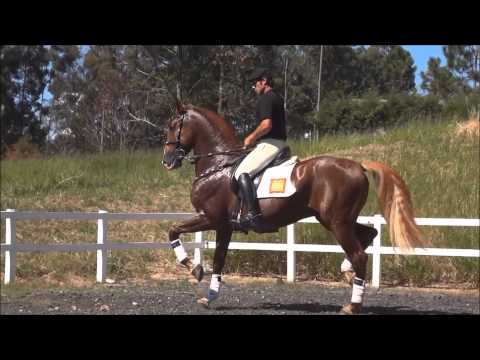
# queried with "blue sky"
point(421, 54)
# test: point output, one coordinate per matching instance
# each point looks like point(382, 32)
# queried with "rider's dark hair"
point(269, 80)
point(262, 73)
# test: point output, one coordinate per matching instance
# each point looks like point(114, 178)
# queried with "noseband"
point(180, 151)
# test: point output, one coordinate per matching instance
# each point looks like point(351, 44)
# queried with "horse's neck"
point(210, 139)
point(205, 163)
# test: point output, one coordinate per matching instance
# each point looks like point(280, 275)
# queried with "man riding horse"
point(333, 190)
point(270, 136)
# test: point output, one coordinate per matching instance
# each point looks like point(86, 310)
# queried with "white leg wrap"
point(358, 290)
point(179, 249)
point(214, 290)
point(346, 265)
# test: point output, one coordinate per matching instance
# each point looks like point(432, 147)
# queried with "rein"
point(213, 170)
point(181, 153)
point(194, 158)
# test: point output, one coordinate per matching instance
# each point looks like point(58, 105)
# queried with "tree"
point(385, 69)
point(22, 82)
point(121, 96)
point(464, 64)
point(398, 71)
point(67, 84)
point(438, 80)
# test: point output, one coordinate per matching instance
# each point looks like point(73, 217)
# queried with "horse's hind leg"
point(348, 238)
point(365, 235)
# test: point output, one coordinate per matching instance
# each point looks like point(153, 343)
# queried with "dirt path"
point(238, 296)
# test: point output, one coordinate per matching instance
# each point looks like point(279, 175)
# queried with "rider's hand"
point(248, 142)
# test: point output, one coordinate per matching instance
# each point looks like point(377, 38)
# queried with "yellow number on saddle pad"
point(277, 185)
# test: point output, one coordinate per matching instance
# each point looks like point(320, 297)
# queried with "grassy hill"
point(439, 161)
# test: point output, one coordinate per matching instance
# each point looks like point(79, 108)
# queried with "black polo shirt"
point(270, 105)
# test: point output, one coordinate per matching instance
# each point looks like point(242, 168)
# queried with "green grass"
point(440, 169)
point(95, 179)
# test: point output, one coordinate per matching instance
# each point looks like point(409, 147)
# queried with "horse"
point(333, 190)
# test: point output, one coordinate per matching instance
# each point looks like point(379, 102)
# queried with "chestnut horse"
point(332, 189)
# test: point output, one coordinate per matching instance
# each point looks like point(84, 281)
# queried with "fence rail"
point(198, 245)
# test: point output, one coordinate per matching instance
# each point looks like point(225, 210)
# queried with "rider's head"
point(261, 80)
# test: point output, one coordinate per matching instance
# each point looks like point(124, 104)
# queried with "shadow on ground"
point(317, 308)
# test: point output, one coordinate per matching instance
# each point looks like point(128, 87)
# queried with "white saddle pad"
point(276, 180)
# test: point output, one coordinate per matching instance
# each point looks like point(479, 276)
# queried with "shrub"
point(347, 115)
point(24, 148)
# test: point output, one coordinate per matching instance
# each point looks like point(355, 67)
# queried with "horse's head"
point(179, 139)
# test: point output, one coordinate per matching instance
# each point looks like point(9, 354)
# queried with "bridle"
point(181, 152)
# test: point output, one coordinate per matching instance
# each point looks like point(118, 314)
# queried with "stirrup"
point(239, 225)
point(249, 221)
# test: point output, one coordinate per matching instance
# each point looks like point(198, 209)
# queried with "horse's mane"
point(218, 122)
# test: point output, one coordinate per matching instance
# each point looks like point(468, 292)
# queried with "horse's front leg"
point(197, 223)
point(224, 236)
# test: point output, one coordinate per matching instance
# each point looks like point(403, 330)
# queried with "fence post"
point(377, 243)
point(198, 252)
point(291, 265)
point(101, 240)
point(10, 255)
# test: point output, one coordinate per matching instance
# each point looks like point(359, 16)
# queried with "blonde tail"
point(396, 206)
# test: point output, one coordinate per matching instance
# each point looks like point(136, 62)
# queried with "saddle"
point(282, 157)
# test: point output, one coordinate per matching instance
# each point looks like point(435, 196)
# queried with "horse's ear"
point(179, 106)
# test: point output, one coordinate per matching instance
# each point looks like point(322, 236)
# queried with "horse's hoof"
point(204, 302)
point(348, 277)
point(198, 272)
point(351, 309)
point(187, 263)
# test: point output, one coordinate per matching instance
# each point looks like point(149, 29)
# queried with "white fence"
point(103, 244)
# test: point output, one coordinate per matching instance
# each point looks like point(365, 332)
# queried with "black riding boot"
point(249, 195)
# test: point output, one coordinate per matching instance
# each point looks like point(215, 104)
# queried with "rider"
point(269, 138)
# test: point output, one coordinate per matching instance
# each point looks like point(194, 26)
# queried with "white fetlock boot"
point(181, 254)
point(346, 265)
point(213, 291)
point(347, 270)
point(358, 292)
